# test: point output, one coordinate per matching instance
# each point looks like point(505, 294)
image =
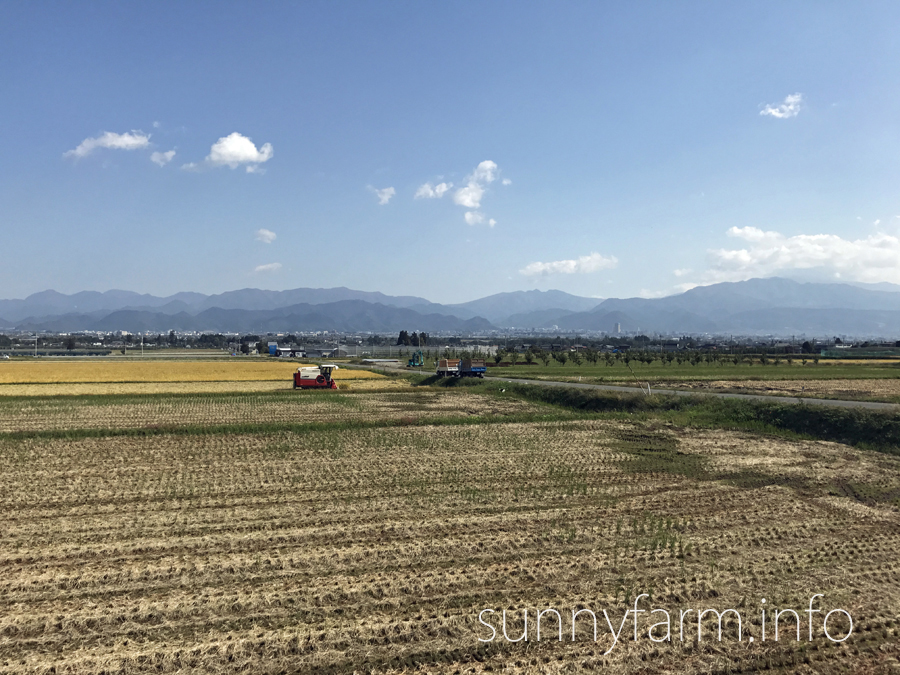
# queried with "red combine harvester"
point(312, 377)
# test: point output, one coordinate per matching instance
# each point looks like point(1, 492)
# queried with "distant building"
point(291, 352)
point(785, 347)
point(618, 328)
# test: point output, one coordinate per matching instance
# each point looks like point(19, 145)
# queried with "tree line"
point(414, 340)
point(595, 357)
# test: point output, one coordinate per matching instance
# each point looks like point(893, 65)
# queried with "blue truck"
point(472, 368)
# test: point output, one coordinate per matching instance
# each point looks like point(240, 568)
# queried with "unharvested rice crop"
point(375, 549)
point(48, 372)
point(122, 388)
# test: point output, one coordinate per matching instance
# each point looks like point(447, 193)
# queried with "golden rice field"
point(126, 388)
point(262, 370)
point(345, 548)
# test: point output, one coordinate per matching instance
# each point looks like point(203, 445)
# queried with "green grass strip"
point(852, 426)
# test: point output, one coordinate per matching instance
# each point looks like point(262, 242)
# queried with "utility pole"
point(35, 345)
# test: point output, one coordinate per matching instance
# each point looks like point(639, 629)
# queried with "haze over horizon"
point(448, 153)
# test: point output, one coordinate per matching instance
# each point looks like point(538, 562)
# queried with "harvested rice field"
point(874, 389)
point(293, 407)
point(387, 532)
point(675, 374)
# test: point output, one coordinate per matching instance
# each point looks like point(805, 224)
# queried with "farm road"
point(787, 400)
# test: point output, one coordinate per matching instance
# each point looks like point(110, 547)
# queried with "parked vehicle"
point(417, 360)
point(448, 368)
point(312, 377)
point(472, 368)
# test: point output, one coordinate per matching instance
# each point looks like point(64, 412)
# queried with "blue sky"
point(608, 150)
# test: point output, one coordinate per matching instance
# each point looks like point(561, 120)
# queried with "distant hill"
point(757, 306)
point(882, 286)
point(539, 317)
point(776, 292)
point(253, 298)
point(499, 307)
point(637, 317)
point(346, 315)
point(48, 307)
point(51, 303)
point(48, 303)
point(796, 321)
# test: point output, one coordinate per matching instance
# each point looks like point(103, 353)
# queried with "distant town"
point(322, 344)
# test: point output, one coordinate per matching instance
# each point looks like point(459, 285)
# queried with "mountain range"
point(757, 306)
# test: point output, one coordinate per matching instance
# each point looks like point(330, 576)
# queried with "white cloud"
point(190, 166)
point(477, 218)
point(429, 191)
point(162, 158)
point(583, 265)
point(873, 259)
point(156, 125)
point(265, 236)
point(485, 172)
point(790, 107)
point(681, 288)
point(271, 267)
point(506, 181)
point(133, 140)
point(682, 272)
point(384, 196)
point(469, 196)
point(474, 217)
point(235, 149)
